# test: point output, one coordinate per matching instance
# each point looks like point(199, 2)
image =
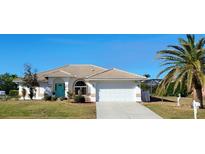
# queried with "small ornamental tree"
point(30, 80)
point(70, 94)
point(147, 75)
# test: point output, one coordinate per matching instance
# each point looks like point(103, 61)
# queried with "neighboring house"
point(94, 82)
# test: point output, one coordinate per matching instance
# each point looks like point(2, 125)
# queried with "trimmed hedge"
point(79, 99)
point(13, 93)
point(47, 97)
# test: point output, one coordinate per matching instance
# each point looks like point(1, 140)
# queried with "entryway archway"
point(80, 87)
point(60, 90)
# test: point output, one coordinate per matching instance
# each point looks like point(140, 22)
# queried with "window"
point(80, 88)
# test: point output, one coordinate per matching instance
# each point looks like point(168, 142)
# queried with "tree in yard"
point(185, 64)
point(6, 82)
point(30, 80)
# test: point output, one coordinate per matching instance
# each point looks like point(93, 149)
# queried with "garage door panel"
point(116, 92)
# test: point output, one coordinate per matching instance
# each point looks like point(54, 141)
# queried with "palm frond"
point(182, 41)
point(180, 78)
point(168, 79)
point(191, 39)
point(200, 44)
point(171, 52)
point(165, 70)
point(177, 48)
point(170, 58)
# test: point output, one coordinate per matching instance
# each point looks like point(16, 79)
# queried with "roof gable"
point(58, 73)
point(83, 71)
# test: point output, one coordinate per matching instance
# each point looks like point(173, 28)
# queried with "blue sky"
point(134, 53)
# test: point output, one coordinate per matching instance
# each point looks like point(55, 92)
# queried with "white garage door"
point(116, 91)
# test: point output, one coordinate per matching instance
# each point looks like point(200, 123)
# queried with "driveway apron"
point(124, 110)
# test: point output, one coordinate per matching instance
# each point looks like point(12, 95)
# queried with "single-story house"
point(97, 84)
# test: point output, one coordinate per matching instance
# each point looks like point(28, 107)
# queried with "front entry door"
point(60, 90)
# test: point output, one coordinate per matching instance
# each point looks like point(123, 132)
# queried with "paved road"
point(124, 110)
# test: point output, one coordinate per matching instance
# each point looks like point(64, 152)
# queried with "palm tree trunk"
point(198, 96)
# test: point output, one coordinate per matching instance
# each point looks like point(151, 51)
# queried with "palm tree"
point(185, 64)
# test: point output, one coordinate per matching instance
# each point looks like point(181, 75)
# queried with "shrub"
point(62, 98)
point(13, 93)
point(70, 94)
point(53, 98)
point(144, 86)
point(79, 99)
point(47, 97)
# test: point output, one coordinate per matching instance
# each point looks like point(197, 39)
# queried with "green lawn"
point(46, 110)
point(168, 109)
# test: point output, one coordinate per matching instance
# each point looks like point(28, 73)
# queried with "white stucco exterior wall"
point(138, 93)
point(39, 91)
point(91, 91)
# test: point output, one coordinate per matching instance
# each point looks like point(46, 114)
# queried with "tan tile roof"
point(78, 71)
point(116, 74)
point(58, 73)
point(82, 71)
point(86, 71)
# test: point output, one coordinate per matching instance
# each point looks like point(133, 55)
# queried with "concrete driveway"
point(124, 110)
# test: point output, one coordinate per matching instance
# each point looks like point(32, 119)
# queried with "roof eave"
point(119, 79)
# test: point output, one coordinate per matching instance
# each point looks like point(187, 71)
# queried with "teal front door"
point(60, 90)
